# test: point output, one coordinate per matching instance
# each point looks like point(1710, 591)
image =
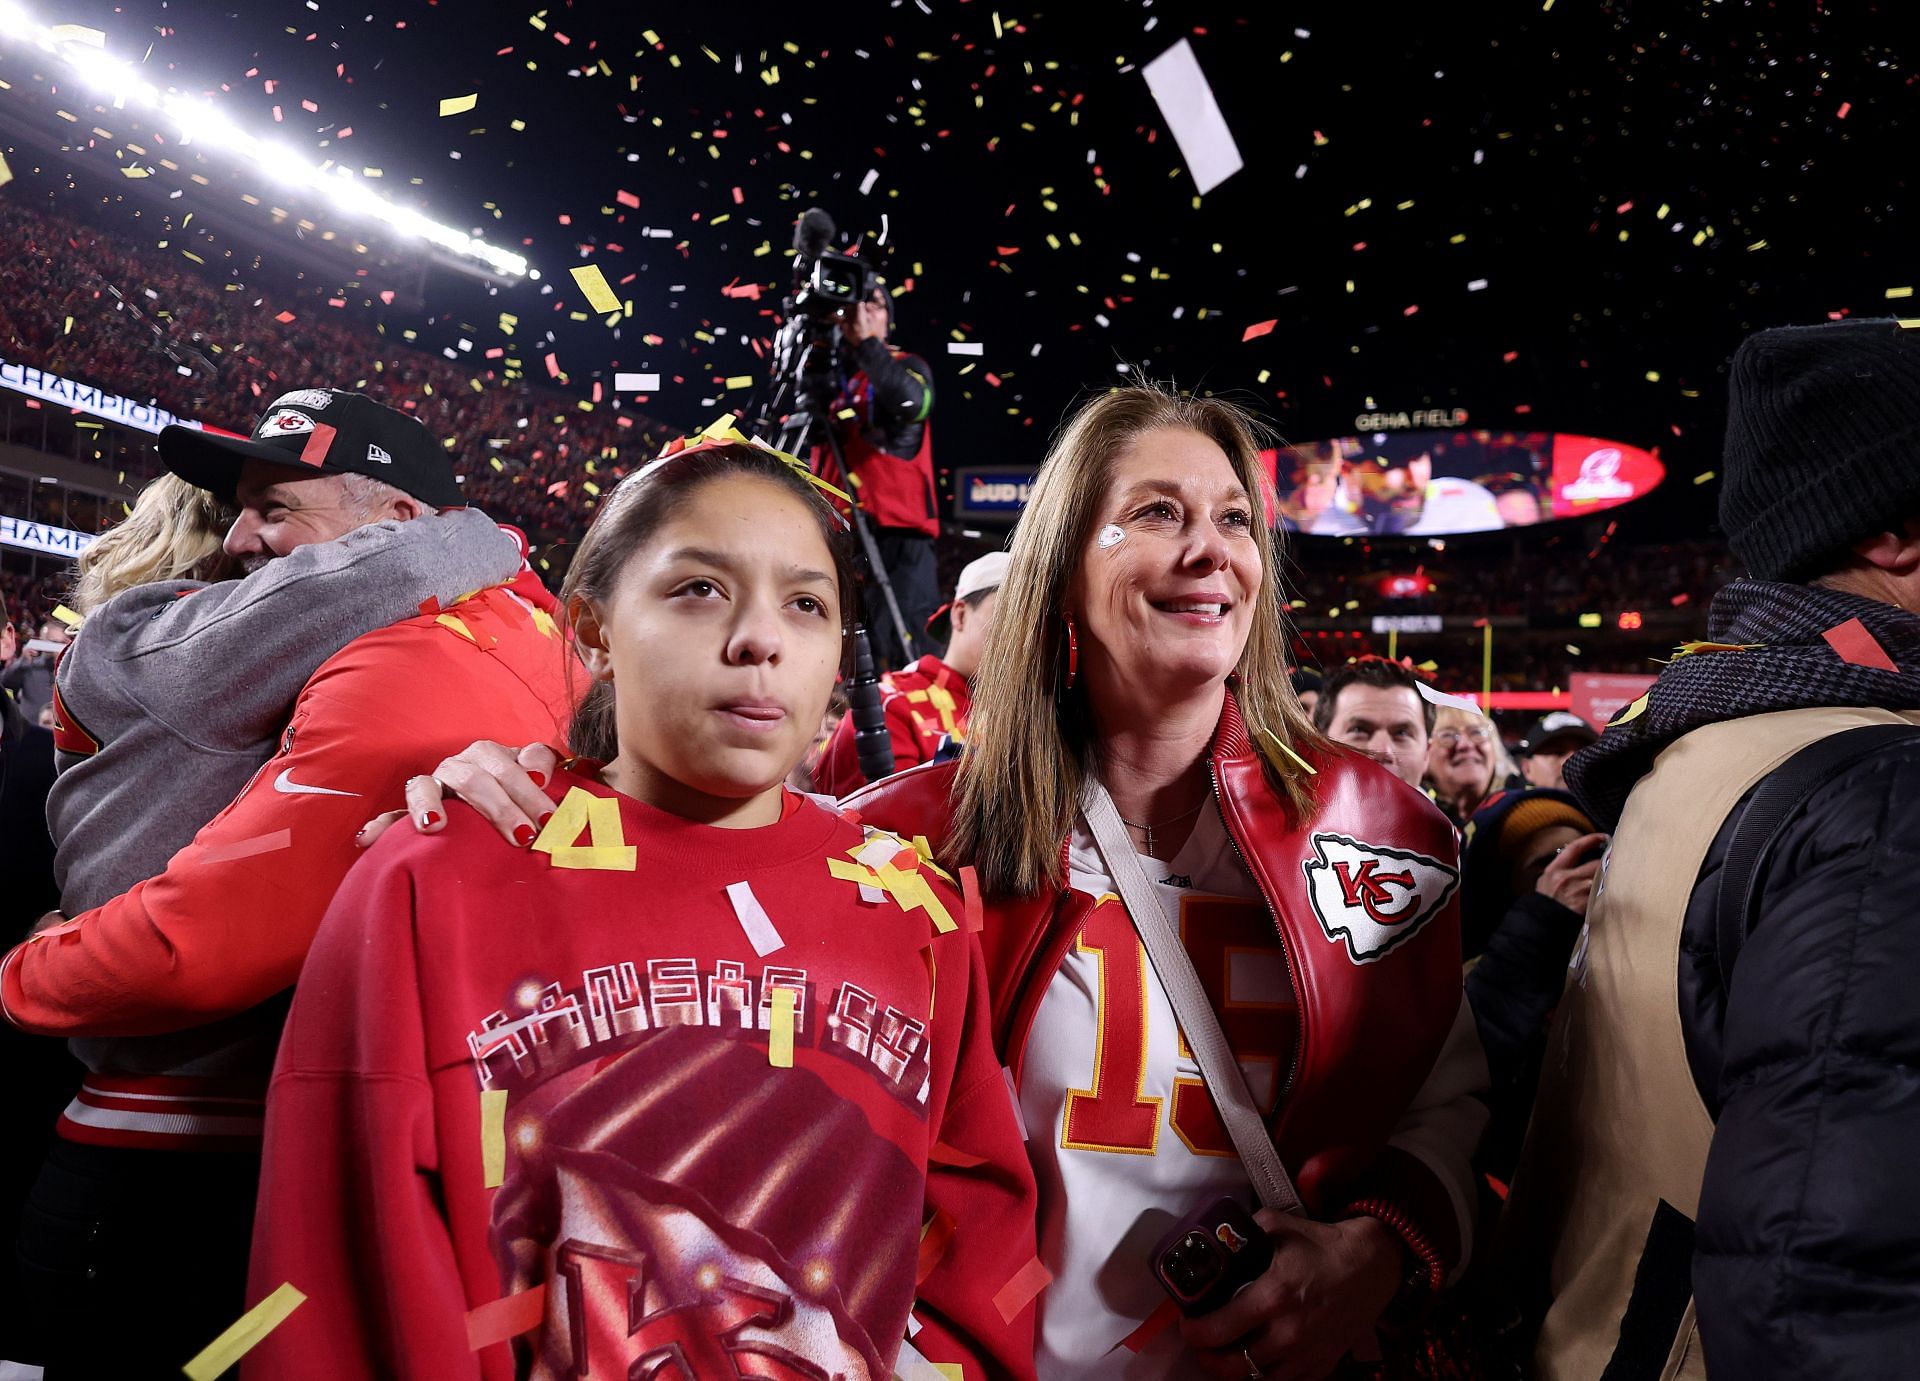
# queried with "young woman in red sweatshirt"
point(698, 1081)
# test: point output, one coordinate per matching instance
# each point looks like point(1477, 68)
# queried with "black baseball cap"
point(327, 430)
point(1561, 725)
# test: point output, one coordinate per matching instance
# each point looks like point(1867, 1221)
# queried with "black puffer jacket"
point(1807, 1248)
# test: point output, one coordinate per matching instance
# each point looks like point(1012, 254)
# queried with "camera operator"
point(888, 444)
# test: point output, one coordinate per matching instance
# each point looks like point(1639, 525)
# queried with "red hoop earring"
point(1073, 654)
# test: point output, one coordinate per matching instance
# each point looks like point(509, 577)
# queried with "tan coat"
point(1602, 1209)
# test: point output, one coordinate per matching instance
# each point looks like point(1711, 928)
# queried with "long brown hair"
point(637, 508)
point(1029, 748)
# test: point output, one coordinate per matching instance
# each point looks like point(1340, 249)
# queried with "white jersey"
point(1123, 1135)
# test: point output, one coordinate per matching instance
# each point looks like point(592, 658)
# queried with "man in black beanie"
point(1720, 1159)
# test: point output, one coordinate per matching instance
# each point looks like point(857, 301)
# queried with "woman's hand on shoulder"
point(506, 785)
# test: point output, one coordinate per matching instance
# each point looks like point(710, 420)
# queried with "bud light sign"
point(992, 492)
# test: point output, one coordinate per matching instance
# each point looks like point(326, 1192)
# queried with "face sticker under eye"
point(1110, 536)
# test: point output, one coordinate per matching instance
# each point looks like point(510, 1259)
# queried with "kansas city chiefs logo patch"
point(285, 422)
point(1373, 897)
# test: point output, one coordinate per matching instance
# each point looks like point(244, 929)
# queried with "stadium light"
point(82, 51)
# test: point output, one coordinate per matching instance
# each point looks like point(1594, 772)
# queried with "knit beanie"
point(1823, 442)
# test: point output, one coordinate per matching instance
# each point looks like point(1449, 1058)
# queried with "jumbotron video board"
point(1437, 483)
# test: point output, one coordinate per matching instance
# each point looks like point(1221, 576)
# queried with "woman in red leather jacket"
point(1315, 894)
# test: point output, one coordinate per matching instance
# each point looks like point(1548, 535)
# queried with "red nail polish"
point(432, 818)
point(539, 779)
point(523, 835)
point(544, 818)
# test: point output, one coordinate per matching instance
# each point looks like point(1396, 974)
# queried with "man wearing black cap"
point(171, 1125)
point(1545, 748)
point(1720, 1160)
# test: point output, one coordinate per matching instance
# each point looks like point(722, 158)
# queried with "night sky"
point(1636, 186)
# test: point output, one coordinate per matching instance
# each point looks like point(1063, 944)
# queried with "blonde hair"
point(1029, 748)
point(173, 532)
point(1501, 763)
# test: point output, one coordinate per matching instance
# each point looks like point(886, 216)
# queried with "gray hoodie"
point(186, 688)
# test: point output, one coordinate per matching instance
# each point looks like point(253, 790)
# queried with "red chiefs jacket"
point(542, 1114)
point(226, 925)
point(1364, 895)
point(923, 703)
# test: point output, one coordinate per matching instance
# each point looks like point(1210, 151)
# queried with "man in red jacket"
point(888, 444)
point(226, 926)
point(926, 704)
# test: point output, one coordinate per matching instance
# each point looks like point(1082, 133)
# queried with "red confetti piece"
point(973, 917)
point(627, 199)
point(1156, 1323)
point(506, 1318)
point(942, 1154)
point(933, 1244)
point(1022, 1290)
point(319, 442)
point(1259, 328)
point(247, 848)
point(1857, 647)
point(1845, 106)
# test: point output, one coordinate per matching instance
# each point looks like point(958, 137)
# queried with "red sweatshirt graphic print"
point(650, 1099)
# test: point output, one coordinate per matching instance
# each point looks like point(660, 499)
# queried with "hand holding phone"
point(1211, 1255)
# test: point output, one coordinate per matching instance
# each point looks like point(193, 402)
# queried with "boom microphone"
point(813, 233)
point(872, 744)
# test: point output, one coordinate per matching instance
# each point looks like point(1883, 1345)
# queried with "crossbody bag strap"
point(1191, 1007)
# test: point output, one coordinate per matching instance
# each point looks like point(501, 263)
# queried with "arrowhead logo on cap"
point(283, 422)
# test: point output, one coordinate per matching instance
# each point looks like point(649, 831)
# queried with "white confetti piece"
point(759, 926)
point(636, 383)
point(1445, 701)
point(1187, 104)
point(964, 347)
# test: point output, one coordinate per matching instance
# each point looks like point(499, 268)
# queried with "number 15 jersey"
point(1124, 1137)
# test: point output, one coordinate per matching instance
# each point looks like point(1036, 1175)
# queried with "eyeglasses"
point(1447, 738)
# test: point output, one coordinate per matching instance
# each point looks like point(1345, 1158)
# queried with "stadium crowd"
point(120, 314)
point(883, 1089)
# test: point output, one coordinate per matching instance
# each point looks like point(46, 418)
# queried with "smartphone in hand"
point(1211, 1255)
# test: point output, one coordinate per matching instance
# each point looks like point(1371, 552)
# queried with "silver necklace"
point(1148, 829)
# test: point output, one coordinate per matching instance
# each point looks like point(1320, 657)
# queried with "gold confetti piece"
point(456, 105)
point(1703, 477)
point(245, 1334)
point(457, 625)
point(953, 1371)
point(599, 818)
point(740, 381)
point(1299, 761)
point(493, 1137)
point(66, 616)
point(780, 1038)
point(593, 283)
point(1892, 293)
point(6, 173)
point(1632, 712)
